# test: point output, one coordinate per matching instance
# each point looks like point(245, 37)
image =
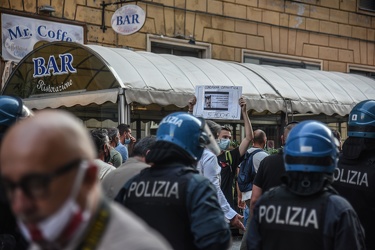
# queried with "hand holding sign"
point(192, 103)
point(242, 103)
point(218, 102)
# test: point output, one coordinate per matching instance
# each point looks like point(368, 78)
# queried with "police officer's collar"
point(171, 166)
point(354, 146)
point(305, 184)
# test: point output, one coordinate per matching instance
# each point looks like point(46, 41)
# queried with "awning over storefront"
point(315, 91)
point(76, 98)
point(63, 74)
point(67, 74)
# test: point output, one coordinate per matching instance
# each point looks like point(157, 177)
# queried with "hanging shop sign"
point(20, 34)
point(128, 19)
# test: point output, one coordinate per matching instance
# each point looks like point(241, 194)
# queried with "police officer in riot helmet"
point(305, 212)
point(11, 110)
point(354, 178)
point(172, 196)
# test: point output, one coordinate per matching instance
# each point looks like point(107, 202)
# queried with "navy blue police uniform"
point(354, 177)
point(305, 212)
point(291, 221)
point(355, 180)
point(176, 201)
point(171, 196)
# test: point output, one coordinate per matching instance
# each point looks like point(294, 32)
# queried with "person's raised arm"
point(249, 134)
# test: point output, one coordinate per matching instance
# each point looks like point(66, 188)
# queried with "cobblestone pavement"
point(236, 242)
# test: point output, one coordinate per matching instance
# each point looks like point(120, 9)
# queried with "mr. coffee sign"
point(128, 19)
point(19, 34)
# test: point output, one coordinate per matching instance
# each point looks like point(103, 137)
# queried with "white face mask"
point(52, 227)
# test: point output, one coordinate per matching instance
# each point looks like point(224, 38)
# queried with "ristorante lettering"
point(53, 89)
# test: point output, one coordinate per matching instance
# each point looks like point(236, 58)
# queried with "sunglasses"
point(36, 185)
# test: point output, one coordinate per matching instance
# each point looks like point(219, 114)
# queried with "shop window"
point(368, 5)
point(281, 61)
point(182, 46)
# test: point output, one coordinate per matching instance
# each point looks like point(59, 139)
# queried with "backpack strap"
point(257, 151)
point(246, 174)
point(249, 154)
point(97, 227)
point(252, 154)
point(228, 157)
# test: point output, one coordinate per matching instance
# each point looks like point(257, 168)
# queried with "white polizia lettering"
point(163, 189)
point(293, 216)
point(173, 120)
point(351, 177)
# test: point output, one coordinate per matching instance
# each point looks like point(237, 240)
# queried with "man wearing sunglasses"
point(51, 181)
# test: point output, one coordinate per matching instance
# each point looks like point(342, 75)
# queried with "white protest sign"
point(218, 102)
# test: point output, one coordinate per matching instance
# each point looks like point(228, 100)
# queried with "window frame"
point(367, 70)
point(279, 58)
point(205, 48)
point(361, 8)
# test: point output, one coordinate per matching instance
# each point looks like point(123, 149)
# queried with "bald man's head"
point(39, 160)
point(50, 134)
point(260, 138)
point(287, 129)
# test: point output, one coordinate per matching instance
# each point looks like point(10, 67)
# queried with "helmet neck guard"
point(305, 184)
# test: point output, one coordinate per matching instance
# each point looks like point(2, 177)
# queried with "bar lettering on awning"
point(41, 68)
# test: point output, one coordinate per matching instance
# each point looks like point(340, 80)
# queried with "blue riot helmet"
point(12, 109)
point(362, 120)
point(311, 147)
point(189, 133)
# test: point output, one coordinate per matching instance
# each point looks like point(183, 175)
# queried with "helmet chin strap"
point(354, 146)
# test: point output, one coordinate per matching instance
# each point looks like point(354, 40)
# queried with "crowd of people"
point(64, 186)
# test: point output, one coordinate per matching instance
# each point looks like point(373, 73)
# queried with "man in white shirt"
point(209, 167)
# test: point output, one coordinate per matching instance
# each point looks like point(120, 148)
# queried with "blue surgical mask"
point(127, 141)
point(224, 144)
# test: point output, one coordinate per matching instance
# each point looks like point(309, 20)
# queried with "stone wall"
point(334, 31)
